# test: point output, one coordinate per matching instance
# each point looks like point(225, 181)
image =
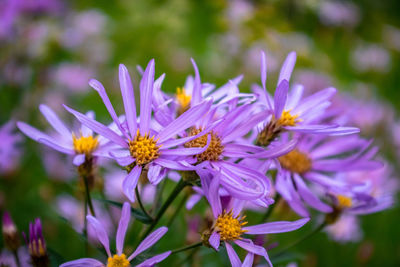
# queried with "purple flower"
point(288, 111)
point(10, 153)
point(317, 160)
point(81, 144)
point(120, 259)
point(141, 146)
point(345, 229)
point(37, 244)
point(230, 227)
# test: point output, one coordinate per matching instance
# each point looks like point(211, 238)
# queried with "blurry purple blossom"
point(73, 77)
point(370, 57)
point(339, 13)
point(10, 152)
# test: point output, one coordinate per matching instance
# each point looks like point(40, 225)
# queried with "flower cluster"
point(237, 150)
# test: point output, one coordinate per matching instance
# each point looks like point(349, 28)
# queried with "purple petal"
point(213, 196)
point(146, 93)
point(53, 145)
point(123, 226)
point(314, 100)
point(32, 132)
point(276, 151)
point(99, 128)
point(83, 263)
point(187, 151)
point(248, 261)
point(280, 97)
point(263, 64)
point(100, 233)
point(310, 198)
point(250, 247)
point(122, 161)
point(153, 260)
point(233, 257)
point(214, 240)
point(79, 159)
point(196, 94)
point(128, 98)
point(155, 174)
point(149, 241)
point(96, 85)
point(130, 182)
point(184, 121)
point(54, 121)
point(287, 67)
point(275, 227)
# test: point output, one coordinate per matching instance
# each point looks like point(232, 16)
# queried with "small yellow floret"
point(229, 227)
point(144, 149)
point(296, 161)
point(118, 261)
point(214, 149)
point(344, 201)
point(84, 144)
point(183, 99)
point(288, 119)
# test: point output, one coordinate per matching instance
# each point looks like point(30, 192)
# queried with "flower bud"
point(10, 233)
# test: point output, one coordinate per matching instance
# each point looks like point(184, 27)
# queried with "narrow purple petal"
point(213, 196)
point(287, 67)
point(263, 65)
point(214, 240)
point(54, 121)
point(149, 241)
point(155, 174)
point(276, 151)
point(280, 98)
point(153, 260)
point(233, 257)
point(275, 227)
point(123, 226)
point(32, 132)
point(128, 98)
point(130, 182)
point(122, 161)
point(99, 128)
point(146, 93)
point(196, 94)
point(100, 233)
point(173, 165)
point(250, 247)
point(53, 145)
point(248, 261)
point(79, 159)
point(309, 197)
point(187, 151)
point(96, 85)
point(86, 262)
point(184, 121)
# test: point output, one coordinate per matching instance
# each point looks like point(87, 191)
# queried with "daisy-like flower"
point(288, 111)
point(230, 227)
point(120, 259)
point(140, 146)
point(81, 144)
point(317, 160)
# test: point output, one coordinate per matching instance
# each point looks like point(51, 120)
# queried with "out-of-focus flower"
point(10, 152)
point(314, 160)
point(10, 233)
point(119, 259)
point(229, 227)
point(371, 58)
point(339, 13)
point(82, 144)
point(391, 36)
point(7, 258)
point(345, 229)
point(73, 77)
point(311, 80)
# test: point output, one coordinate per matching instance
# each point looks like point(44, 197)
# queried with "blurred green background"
point(353, 46)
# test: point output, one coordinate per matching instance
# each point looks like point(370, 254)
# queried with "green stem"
point(310, 234)
point(195, 245)
point(271, 209)
point(88, 197)
point(141, 203)
point(178, 188)
point(180, 205)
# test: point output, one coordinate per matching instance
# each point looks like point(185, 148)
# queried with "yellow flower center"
point(288, 119)
point(183, 100)
point(296, 161)
point(229, 227)
point(84, 144)
point(344, 201)
point(214, 150)
point(118, 261)
point(144, 149)
point(37, 248)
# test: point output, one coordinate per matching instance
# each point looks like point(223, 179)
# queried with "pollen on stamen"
point(183, 100)
point(229, 227)
point(344, 201)
point(214, 150)
point(296, 161)
point(144, 149)
point(84, 144)
point(118, 261)
point(288, 119)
